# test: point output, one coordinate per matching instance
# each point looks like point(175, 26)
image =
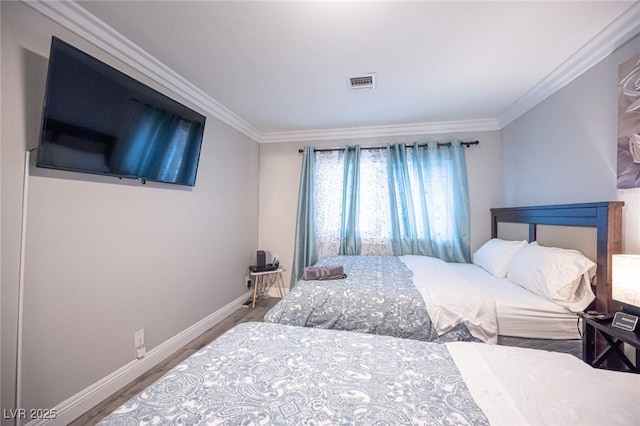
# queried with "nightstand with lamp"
point(621, 328)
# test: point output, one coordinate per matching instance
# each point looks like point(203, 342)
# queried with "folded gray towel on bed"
point(329, 272)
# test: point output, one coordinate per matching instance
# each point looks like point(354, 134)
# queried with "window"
point(424, 206)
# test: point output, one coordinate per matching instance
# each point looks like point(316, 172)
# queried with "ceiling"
point(281, 68)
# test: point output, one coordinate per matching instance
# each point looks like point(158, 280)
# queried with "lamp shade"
point(625, 269)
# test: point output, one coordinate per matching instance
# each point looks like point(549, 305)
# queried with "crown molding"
point(79, 21)
point(620, 31)
point(380, 131)
point(87, 26)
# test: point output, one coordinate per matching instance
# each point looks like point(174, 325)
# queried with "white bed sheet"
point(450, 298)
point(550, 388)
point(522, 313)
point(262, 373)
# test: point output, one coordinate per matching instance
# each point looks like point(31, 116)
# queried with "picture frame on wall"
point(629, 123)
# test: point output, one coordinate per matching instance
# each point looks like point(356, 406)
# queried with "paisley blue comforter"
point(272, 374)
point(377, 297)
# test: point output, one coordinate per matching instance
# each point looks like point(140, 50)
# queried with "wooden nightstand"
point(614, 338)
point(264, 280)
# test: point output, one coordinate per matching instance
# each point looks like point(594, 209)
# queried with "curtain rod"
point(467, 144)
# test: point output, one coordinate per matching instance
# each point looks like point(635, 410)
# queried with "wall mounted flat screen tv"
point(98, 120)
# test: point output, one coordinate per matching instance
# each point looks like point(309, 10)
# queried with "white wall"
point(105, 257)
point(280, 165)
point(564, 149)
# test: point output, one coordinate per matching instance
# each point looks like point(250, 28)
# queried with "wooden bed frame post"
point(606, 217)
point(533, 232)
point(609, 243)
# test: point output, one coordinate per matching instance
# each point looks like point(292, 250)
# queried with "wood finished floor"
point(101, 410)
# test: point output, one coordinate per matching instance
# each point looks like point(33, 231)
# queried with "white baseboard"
point(83, 401)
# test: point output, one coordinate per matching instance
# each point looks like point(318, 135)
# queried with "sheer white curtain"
point(329, 181)
point(375, 231)
point(375, 221)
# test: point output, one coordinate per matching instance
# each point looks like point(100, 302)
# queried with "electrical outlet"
point(248, 281)
point(140, 352)
point(139, 338)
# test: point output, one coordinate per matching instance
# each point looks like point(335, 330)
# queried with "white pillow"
point(495, 255)
point(560, 275)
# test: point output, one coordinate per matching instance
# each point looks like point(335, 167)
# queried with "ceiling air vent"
point(367, 81)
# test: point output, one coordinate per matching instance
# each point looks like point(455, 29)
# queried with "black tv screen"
point(98, 120)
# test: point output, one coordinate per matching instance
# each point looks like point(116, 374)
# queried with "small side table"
point(614, 337)
point(263, 280)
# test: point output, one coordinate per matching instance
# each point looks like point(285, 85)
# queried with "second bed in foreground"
point(261, 373)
